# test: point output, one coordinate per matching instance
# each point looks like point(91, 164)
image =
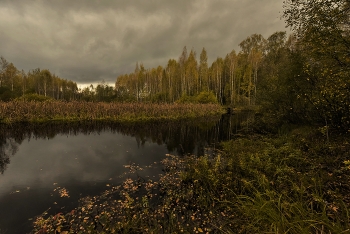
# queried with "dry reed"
point(19, 111)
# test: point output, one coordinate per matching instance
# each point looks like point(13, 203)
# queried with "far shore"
point(33, 112)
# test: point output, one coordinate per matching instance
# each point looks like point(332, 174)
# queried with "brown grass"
point(19, 111)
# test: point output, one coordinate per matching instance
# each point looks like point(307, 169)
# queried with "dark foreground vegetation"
point(294, 183)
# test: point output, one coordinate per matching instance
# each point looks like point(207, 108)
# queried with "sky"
point(90, 41)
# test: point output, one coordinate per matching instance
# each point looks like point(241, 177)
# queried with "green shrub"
point(186, 99)
point(33, 97)
point(5, 94)
point(159, 98)
point(206, 97)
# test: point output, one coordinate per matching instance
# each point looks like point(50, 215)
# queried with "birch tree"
point(3, 67)
point(203, 71)
point(253, 47)
point(182, 65)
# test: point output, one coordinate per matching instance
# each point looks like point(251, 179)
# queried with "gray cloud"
point(87, 41)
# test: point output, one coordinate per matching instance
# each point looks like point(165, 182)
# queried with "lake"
point(48, 167)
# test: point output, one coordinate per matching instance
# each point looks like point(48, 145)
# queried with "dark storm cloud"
point(87, 41)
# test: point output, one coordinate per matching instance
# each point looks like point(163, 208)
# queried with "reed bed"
point(20, 111)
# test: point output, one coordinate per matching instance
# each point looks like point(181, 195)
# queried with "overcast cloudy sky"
point(88, 41)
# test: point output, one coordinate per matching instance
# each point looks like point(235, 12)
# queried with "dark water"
point(85, 159)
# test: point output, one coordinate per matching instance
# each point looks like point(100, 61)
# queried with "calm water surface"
point(37, 161)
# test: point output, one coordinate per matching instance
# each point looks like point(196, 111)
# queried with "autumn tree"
point(171, 72)
point(3, 67)
point(275, 62)
point(203, 71)
point(46, 80)
point(24, 80)
point(11, 74)
point(215, 80)
point(322, 30)
point(182, 68)
point(191, 74)
point(230, 78)
point(253, 48)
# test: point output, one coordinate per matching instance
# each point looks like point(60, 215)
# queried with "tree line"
point(41, 84)
point(239, 79)
point(233, 79)
point(15, 83)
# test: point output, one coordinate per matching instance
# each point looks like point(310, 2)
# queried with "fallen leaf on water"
point(63, 192)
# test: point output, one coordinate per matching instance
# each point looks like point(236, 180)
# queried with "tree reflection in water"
point(183, 137)
point(8, 147)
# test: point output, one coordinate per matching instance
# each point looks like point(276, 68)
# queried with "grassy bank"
point(298, 183)
point(23, 111)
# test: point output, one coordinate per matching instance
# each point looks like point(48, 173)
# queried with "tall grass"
point(20, 111)
point(277, 186)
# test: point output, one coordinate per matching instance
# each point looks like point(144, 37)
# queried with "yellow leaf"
point(200, 230)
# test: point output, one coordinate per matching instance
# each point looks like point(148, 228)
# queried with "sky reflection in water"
point(83, 164)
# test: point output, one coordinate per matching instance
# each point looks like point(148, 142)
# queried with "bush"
point(186, 99)
point(33, 97)
point(206, 97)
point(5, 94)
point(159, 98)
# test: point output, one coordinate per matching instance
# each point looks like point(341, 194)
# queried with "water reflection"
point(85, 158)
point(180, 137)
point(8, 147)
